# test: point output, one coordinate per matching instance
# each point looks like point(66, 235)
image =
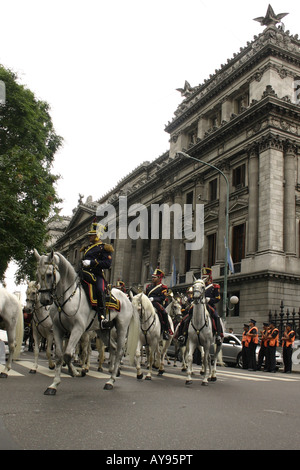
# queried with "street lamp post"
point(226, 229)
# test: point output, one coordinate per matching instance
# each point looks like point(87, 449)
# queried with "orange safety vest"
point(274, 341)
point(288, 342)
point(254, 339)
point(245, 339)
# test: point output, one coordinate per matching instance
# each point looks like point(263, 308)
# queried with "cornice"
point(272, 42)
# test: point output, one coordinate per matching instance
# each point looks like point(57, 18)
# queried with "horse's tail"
point(133, 336)
point(19, 332)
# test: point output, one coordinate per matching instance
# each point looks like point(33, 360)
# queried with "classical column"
point(271, 197)
point(289, 198)
point(165, 255)
point(197, 255)
point(138, 260)
point(252, 240)
point(176, 243)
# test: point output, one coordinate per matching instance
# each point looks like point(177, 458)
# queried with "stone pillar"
point(165, 255)
point(289, 199)
point(176, 243)
point(271, 197)
point(252, 240)
point(138, 261)
point(197, 255)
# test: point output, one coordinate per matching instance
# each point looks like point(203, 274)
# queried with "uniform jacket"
point(158, 293)
point(100, 255)
point(212, 291)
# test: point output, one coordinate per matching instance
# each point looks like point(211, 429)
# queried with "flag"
point(229, 259)
point(174, 277)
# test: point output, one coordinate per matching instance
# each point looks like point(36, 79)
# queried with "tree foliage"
point(28, 143)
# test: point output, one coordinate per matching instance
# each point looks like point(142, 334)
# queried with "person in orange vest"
point(245, 345)
point(253, 341)
point(263, 346)
point(273, 342)
point(288, 339)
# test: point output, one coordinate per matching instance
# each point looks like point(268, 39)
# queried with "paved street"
point(242, 410)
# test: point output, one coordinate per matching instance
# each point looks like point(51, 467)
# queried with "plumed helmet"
point(158, 273)
point(206, 274)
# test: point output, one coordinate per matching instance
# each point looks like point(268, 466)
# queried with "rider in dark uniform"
point(157, 293)
point(212, 295)
point(97, 257)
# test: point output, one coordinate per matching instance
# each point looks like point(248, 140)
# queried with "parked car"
point(232, 351)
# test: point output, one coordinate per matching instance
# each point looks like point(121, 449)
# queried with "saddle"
point(111, 303)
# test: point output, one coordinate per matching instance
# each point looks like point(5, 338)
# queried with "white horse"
point(11, 320)
point(61, 284)
point(150, 333)
point(174, 311)
point(42, 325)
point(200, 334)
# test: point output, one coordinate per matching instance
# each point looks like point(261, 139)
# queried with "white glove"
point(151, 299)
point(207, 299)
point(86, 262)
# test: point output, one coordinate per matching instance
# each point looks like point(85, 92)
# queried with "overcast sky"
point(109, 70)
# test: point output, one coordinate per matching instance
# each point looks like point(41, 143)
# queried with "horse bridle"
point(197, 299)
point(141, 316)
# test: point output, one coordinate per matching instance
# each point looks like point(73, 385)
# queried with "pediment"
point(211, 215)
point(238, 205)
point(81, 215)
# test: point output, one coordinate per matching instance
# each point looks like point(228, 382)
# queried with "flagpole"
point(226, 229)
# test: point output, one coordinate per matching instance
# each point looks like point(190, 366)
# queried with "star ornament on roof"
point(270, 19)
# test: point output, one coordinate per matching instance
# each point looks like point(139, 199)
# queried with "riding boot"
point(104, 323)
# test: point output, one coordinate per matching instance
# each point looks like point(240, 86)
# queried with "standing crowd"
point(268, 340)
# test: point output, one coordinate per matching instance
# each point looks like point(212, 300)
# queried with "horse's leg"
point(205, 363)
point(51, 390)
point(214, 368)
point(69, 351)
point(118, 354)
point(163, 354)
point(36, 350)
point(191, 349)
point(51, 363)
point(11, 339)
point(139, 373)
point(101, 353)
point(184, 356)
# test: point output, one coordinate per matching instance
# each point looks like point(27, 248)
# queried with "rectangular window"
point(211, 249)
point(213, 186)
point(238, 243)
point(238, 176)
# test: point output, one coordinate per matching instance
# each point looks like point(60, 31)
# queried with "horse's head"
point(199, 291)
point(47, 275)
point(32, 293)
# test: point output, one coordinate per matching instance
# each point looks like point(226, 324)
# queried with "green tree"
point(28, 195)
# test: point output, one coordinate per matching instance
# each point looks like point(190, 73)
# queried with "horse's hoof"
point(50, 391)
point(83, 373)
point(3, 375)
point(148, 377)
point(51, 367)
point(100, 369)
point(32, 371)
point(139, 377)
point(108, 386)
point(213, 379)
point(201, 372)
point(204, 384)
point(118, 373)
point(160, 372)
point(188, 382)
point(174, 365)
point(184, 369)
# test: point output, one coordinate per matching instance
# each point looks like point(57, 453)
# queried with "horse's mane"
point(65, 267)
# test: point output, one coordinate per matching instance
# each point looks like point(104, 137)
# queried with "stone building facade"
point(245, 121)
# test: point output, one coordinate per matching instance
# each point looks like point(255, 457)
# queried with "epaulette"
point(108, 248)
point(217, 286)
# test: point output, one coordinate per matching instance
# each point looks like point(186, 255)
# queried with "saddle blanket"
point(111, 302)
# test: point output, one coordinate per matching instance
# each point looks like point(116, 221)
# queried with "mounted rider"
point(212, 295)
point(158, 293)
point(97, 256)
